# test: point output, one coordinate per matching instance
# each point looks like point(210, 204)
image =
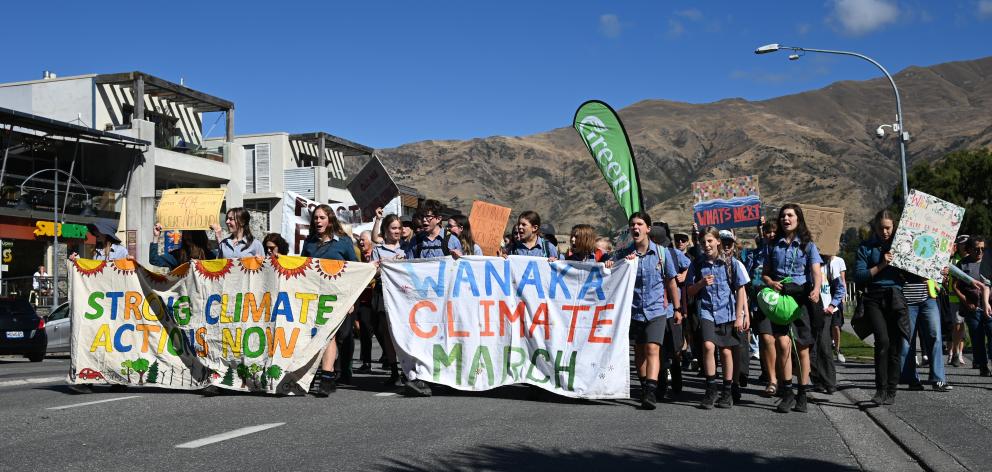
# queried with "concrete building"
point(148, 108)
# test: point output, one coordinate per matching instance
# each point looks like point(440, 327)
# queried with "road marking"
point(386, 394)
point(92, 403)
point(38, 380)
point(228, 435)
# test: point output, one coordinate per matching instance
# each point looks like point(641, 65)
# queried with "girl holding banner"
point(391, 248)
point(240, 243)
point(330, 241)
point(194, 246)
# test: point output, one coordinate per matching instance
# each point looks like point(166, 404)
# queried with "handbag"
point(859, 322)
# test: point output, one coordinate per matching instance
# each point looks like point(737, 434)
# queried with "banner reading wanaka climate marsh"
point(241, 324)
point(481, 322)
point(607, 142)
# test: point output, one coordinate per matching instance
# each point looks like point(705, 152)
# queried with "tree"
point(254, 369)
point(962, 178)
point(126, 367)
point(273, 372)
point(140, 366)
point(153, 373)
point(228, 377)
point(243, 374)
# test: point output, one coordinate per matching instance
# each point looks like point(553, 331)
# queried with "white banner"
point(296, 219)
point(241, 324)
point(926, 232)
point(481, 322)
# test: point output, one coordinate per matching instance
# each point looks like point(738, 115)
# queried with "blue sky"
point(388, 73)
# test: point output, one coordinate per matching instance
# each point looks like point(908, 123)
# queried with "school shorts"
point(721, 335)
point(643, 332)
point(760, 323)
point(802, 329)
point(837, 319)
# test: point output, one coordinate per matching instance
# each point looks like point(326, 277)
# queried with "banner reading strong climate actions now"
point(605, 138)
point(242, 324)
point(481, 322)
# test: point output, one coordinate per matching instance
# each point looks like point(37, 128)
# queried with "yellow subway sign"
point(66, 230)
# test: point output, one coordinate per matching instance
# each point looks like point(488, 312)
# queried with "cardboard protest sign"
point(927, 228)
point(238, 324)
point(296, 219)
point(372, 188)
point(478, 323)
point(825, 225)
point(488, 223)
point(727, 203)
point(190, 208)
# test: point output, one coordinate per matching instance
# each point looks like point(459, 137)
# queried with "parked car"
point(22, 331)
point(58, 329)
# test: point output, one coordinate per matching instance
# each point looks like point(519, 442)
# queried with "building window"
point(257, 158)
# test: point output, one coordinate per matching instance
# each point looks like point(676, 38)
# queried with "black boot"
point(726, 399)
point(801, 400)
point(648, 399)
point(879, 397)
point(788, 400)
point(890, 397)
point(709, 398)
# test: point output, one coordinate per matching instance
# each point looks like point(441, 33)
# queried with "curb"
point(927, 453)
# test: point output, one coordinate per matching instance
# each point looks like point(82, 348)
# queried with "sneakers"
point(709, 398)
point(890, 398)
point(942, 387)
point(840, 358)
point(364, 369)
point(417, 388)
point(788, 401)
point(879, 397)
point(801, 402)
point(726, 399)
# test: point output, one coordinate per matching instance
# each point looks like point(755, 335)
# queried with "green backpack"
point(780, 309)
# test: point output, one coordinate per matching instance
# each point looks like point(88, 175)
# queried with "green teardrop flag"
point(607, 142)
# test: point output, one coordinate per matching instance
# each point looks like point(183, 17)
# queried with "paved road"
point(369, 427)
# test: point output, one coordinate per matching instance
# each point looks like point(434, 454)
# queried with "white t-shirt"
point(837, 266)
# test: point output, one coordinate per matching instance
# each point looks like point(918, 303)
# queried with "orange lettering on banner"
point(487, 330)
point(132, 304)
point(451, 323)
point(265, 307)
point(201, 340)
point(517, 316)
point(541, 319)
point(145, 330)
point(575, 309)
point(413, 319)
point(596, 323)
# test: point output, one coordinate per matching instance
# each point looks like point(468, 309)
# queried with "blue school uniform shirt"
point(543, 248)
point(650, 299)
point(789, 260)
point(231, 249)
point(717, 302)
point(338, 247)
point(428, 247)
point(682, 261)
point(455, 244)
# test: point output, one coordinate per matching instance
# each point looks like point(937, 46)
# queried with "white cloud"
point(691, 14)
point(985, 8)
point(675, 28)
point(609, 25)
point(859, 17)
point(802, 29)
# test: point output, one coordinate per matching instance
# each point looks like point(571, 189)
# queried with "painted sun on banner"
point(478, 323)
point(241, 324)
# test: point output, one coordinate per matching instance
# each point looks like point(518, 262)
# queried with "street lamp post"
point(899, 127)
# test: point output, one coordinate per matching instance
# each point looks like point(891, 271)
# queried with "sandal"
point(770, 390)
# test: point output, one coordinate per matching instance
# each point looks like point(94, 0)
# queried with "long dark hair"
point(468, 242)
point(275, 238)
point(194, 247)
point(243, 218)
point(801, 229)
point(335, 223)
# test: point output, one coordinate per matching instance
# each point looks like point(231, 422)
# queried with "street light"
point(55, 216)
point(897, 127)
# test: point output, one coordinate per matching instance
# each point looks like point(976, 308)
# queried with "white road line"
point(386, 394)
point(92, 403)
point(36, 380)
point(228, 435)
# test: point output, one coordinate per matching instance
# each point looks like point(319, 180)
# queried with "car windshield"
point(9, 308)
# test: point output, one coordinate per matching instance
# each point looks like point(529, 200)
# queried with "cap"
point(727, 234)
point(962, 239)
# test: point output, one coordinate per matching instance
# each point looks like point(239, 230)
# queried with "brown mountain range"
point(816, 147)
